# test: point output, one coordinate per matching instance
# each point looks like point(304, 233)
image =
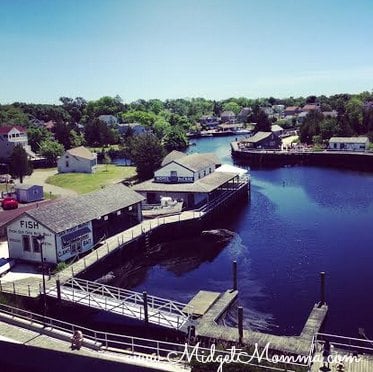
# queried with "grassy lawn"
point(84, 182)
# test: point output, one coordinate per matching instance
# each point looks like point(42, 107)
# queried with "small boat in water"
point(168, 207)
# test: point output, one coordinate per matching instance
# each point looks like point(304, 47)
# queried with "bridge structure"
point(150, 309)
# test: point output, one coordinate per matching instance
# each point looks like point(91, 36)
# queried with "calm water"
point(300, 221)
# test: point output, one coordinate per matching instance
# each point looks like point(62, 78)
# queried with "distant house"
point(209, 121)
point(108, 119)
point(330, 114)
point(311, 107)
point(49, 125)
point(349, 144)
point(291, 111)
point(228, 117)
point(278, 108)
point(131, 128)
point(262, 140)
point(267, 110)
point(77, 160)
point(29, 193)
point(10, 137)
point(244, 114)
point(302, 117)
point(277, 129)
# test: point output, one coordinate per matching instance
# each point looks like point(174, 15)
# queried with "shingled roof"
point(203, 185)
point(196, 162)
point(173, 155)
point(71, 212)
point(81, 152)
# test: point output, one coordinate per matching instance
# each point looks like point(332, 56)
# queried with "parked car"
point(9, 203)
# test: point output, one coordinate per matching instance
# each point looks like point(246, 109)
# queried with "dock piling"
point(145, 298)
point(235, 286)
point(58, 286)
point(322, 288)
point(240, 324)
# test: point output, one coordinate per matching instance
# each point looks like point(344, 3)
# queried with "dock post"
point(235, 276)
point(322, 288)
point(58, 286)
point(145, 298)
point(240, 324)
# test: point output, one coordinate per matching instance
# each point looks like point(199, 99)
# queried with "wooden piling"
point(235, 276)
point(240, 324)
point(322, 288)
point(58, 286)
point(145, 299)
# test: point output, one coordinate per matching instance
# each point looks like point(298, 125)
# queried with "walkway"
point(39, 177)
point(151, 309)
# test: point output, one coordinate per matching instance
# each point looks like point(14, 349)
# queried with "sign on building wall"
point(74, 241)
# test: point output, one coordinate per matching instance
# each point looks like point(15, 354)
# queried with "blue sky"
point(183, 48)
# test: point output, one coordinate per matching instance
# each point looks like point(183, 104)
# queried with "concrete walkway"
point(19, 335)
point(39, 177)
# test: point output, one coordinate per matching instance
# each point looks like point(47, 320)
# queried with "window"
point(35, 245)
point(26, 243)
point(67, 164)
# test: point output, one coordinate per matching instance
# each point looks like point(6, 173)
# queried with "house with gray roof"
point(359, 144)
point(77, 160)
point(261, 140)
point(191, 178)
point(73, 225)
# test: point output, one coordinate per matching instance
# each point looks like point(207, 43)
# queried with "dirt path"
point(39, 176)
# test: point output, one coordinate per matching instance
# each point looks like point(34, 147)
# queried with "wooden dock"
point(202, 302)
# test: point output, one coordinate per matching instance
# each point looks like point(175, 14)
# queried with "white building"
point(10, 137)
point(191, 178)
point(73, 226)
point(77, 160)
point(349, 144)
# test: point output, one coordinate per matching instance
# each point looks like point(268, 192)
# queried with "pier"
point(338, 159)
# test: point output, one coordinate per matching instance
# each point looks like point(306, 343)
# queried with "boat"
point(168, 207)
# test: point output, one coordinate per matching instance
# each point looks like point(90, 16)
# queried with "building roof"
point(348, 140)
point(303, 114)
point(228, 168)
point(173, 155)
point(25, 186)
point(227, 113)
point(81, 152)
point(196, 162)
point(203, 185)
point(8, 128)
point(276, 128)
point(310, 107)
point(70, 212)
point(292, 108)
point(257, 137)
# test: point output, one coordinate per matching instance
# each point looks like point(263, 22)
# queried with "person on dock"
point(326, 354)
point(77, 340)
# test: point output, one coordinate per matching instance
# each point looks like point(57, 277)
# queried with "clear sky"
point(183, 48)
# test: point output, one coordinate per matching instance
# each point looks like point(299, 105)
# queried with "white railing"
point(165, 312)
point(156, 349)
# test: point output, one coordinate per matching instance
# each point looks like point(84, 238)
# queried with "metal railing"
point(345, 344)
point(156, 349)
point(165, 312)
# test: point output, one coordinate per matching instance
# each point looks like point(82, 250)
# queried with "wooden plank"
point(202, 302)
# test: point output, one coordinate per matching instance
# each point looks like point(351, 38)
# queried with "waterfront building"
point(291, 111)
point(349, 143)
point(77, 160)
point(191, 178)
point(228, 117)
point(261, 140)
point(277, 129)
point(10, 137)
point(74, 225)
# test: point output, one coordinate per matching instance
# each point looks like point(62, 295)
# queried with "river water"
point(300, 221)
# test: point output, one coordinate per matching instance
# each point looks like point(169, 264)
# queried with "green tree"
point(310, 126)
point(76, 139)
point(36, 135)
point(146, 152)
point(145, 118)
point(19, 165)
point(175, 139)
point(11, 115)
point(232, 106)
point(259, 117)
point(104, 106)
point(51, 150)
point(97, 133)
